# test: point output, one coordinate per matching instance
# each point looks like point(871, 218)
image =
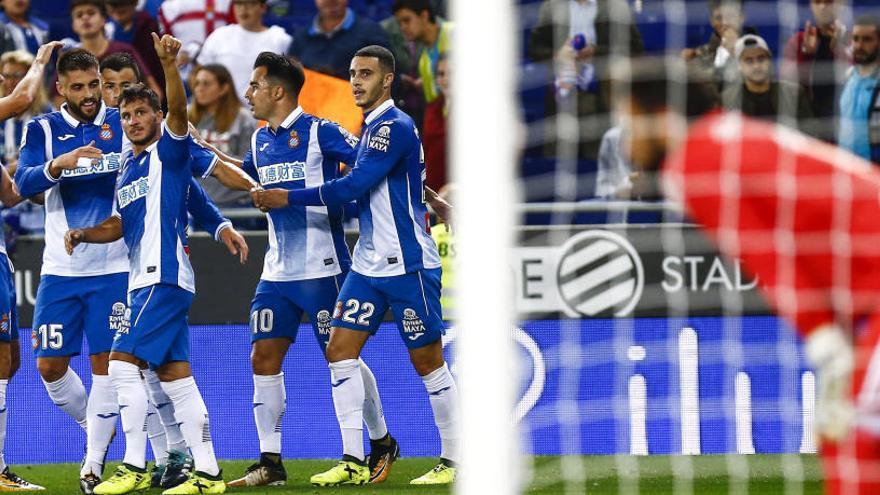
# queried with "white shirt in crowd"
point(237, 49)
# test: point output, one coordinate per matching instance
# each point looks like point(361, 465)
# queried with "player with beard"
point(803, 217)
point(149, 215)
point(173, 463)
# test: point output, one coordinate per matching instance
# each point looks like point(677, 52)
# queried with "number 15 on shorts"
point(48, 337)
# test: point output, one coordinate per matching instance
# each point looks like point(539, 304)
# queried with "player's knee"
point(265, 361)
point(51, 371)
point(427, 359)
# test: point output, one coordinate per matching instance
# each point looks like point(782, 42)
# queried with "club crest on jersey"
point(281, 172)
point(35, 341)
point(413, 326)
point(381, 140)
point(338, 311)
point(323, 322)
point(106, 132)
point(117, 316)
point(134, 191)
point(4, 323)
point(293, 142)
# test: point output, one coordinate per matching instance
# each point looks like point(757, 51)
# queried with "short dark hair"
point(119, 61)
point(868, 20)
point(99, 4)
point(76, 59)
point(139, 91)
point(653, 83)
point(288, 72)
point(386, 58)
point(417, 6)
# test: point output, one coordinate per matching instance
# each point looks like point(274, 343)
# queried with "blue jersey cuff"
point(225, 224)
point(310, 196)
point(47, 174)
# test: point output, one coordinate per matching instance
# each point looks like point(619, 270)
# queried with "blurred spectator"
point(236, 46)
point(223, 122)
point(817, 58)
point(132, 26)
point(760, 95)
point(859, 103)
point(89, 18)
point(336, 33)
point(13, 67)
point(419, 24)
point(25, 217)
point(716, 55)
point(583, 22)
point(435, 129)
point(614, 170)
point(191, 21)
point(27, 32)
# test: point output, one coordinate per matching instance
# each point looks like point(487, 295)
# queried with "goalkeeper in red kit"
point(802, 215)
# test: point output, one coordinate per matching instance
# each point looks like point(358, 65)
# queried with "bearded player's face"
point(81, 90)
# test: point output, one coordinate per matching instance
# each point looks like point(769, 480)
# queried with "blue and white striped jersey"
point(79, 198)
point(388, 182)
point(305, 242)
point(151, 199)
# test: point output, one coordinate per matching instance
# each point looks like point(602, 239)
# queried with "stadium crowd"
point(823, 80)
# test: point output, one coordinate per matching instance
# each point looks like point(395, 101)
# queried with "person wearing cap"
point(860, 98)
point(759, 94)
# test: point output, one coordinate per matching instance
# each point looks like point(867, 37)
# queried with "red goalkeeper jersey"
point(803, 216)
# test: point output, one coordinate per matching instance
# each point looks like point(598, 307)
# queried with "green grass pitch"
point(764, 474)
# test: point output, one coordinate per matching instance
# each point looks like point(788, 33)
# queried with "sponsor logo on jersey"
point(282, 172)
point(117, 316)
point(264, 146)
point(109, 163)
point(106, 132)
point(65, 137)
point(381, 140)
point(134, 191)
point(293, 142)
point(322, 321)
point(4, 323)
point(413, 326)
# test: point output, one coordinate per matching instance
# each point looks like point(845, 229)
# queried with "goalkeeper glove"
point(831, 354)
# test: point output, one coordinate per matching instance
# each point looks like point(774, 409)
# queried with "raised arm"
point(26, 90)
point(105, 232)
point(167, 48)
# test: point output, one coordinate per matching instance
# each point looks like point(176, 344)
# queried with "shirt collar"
point(378, 111)
point(347, 22)
point(294, 115)
point(74, 122)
